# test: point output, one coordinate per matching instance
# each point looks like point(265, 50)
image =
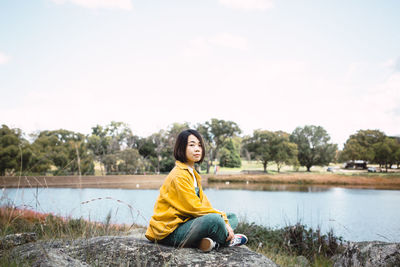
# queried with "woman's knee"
point(214, 218)
point(214, 222)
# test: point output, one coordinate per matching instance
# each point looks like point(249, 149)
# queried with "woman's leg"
point(233, 220)
point(191, 232)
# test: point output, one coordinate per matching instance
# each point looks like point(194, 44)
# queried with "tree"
point(152, 149)
point(130, 162)
point(282, 150)
point(15, 151)
point(208, 143)
point(106, 142)
point(360, 146)
point(67, 151)
point(313, 147)
point(259, 146)
point(229, 155)
point(386, 152)
point(167, 153)
point(218, 132)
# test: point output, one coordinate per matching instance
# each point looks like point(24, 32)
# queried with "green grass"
point(285, 245)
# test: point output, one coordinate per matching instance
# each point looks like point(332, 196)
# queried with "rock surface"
point(369, 254)
point(130, 250)
point(13, 240)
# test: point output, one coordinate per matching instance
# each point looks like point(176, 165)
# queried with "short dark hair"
point(181, 144)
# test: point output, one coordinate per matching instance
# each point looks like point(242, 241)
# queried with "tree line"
point(120, 151)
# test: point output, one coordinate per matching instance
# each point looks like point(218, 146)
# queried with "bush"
point(296, 240)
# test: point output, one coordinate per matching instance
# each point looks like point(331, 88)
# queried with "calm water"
point(355, 214)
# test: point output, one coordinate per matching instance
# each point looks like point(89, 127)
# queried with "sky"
point(264, 64)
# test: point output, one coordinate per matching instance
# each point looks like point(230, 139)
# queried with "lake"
point(354, 214)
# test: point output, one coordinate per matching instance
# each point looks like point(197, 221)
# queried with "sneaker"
point(238, 240)
point(206, 244)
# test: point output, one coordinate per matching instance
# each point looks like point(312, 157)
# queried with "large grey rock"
point(130, 251)
point(367, 254)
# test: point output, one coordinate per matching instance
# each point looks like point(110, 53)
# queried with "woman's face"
point(193, 150)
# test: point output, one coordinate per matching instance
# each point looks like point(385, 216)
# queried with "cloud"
point(248, 4)
point(3, 58)
point(229, 40)
point(95, 4)
point(201, 47)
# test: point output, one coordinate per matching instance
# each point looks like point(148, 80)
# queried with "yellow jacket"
point(178, 202)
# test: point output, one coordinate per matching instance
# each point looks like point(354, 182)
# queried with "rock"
point(369, 254)
point(130, 251)
point(13, 240)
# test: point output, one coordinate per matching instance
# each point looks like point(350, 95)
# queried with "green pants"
point(191, 232)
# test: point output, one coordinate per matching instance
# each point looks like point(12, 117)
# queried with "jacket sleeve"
point(187, 202)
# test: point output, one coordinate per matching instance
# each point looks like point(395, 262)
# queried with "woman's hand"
point(230, 233)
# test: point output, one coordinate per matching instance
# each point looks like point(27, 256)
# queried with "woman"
point(183, 216)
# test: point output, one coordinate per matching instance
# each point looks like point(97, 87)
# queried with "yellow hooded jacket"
point(178, 202)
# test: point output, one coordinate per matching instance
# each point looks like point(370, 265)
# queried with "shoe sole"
point(205, 245)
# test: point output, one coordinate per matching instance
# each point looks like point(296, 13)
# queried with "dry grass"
point(311, 179)
point(358, 179)
point(111, 181)
point(49, 226)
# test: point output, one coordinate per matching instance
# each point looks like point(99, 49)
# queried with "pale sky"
point(264, 64)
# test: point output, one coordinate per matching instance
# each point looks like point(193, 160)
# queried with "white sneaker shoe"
point(206, 244)
point(238, 240)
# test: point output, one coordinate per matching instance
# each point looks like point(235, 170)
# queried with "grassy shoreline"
point(356, 180)
point(391, 181)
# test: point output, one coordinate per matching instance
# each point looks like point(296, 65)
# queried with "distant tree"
point(385, 152)
point(259, 146)
point(130, 161)
point(360, 146)
point(313, 147)
point(229, 155)
point(15, 151)
point(219, 131)
point(282, 150)
point(397, 152)
point(67, 151)
point(106, 142)
point(152, 149)
point(209, 145)
point(167, 161)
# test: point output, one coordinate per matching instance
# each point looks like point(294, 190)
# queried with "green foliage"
point(267, 146)
point(15, 151)
point(359, 146)
point(372, 146)
point(259, 146)
point(229, 155)
point(282, 150)
point(67, 151)
point(386, 152)
point(313, 147)
point(215, 133)
point(130, 161)
point(292, 240)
